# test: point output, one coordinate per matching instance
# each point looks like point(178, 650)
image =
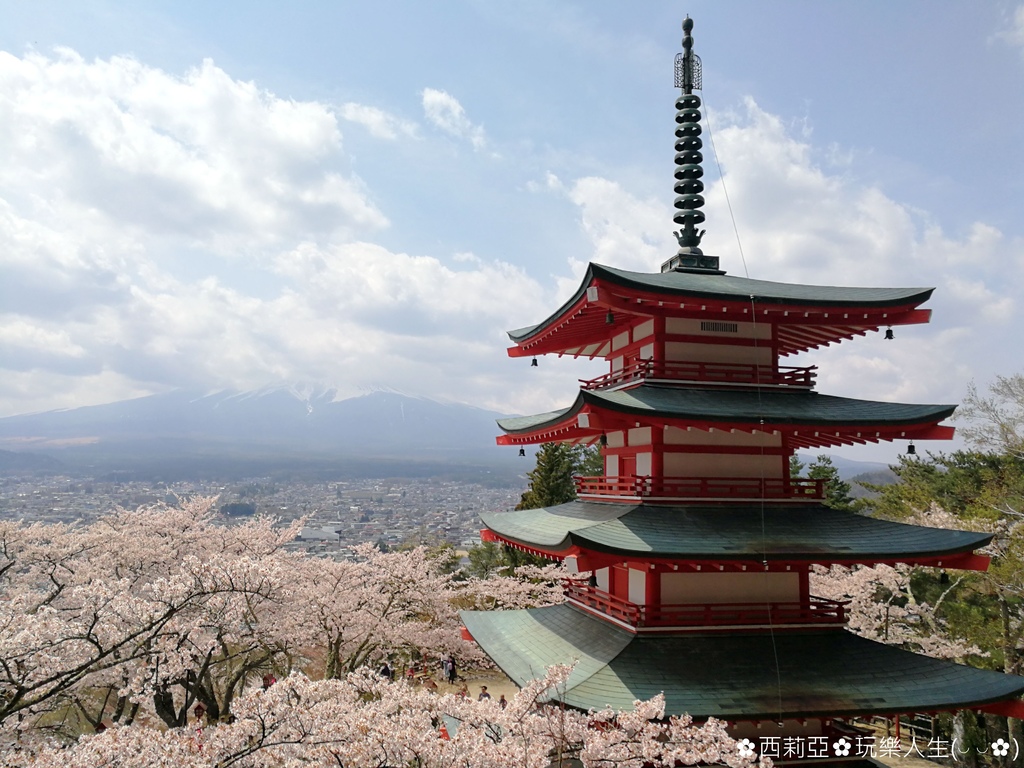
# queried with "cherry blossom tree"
point(125, 607)
point(164, 616)
point(995, 421)
point(401, 605)
point(379, 604)
point(527, 586)
point(362, 720)
point(884, 607)
point(974, 491)
point(162, 608)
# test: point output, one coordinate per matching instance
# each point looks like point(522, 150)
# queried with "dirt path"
point(497, 683)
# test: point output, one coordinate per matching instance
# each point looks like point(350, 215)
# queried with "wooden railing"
point(816, 610)
point(720, 373)
point(616, 607)
point(702, 487)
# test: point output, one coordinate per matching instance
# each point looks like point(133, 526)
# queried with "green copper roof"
point(731, 676)
point(792, 532)
point(728, 288)
point(773, 405)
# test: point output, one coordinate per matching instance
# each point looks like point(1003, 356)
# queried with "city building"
point(699, 542)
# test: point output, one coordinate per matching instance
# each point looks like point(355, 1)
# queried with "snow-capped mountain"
point(291, 421)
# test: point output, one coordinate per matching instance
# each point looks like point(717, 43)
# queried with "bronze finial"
point(689, 171)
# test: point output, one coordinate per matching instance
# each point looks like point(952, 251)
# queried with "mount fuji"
point(269, 427)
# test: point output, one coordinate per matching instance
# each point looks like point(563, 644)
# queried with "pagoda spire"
point(688, 186)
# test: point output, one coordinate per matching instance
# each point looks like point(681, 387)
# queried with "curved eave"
point(807, 418)
point(762, 291)
point(810, 534)
point(735, 676)
point(808, 316)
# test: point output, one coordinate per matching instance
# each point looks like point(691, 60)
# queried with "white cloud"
point(1014, 32)
point(981, 300)
point(629, 233)
point(42, 389)
point(379, 123)
point(21, 336)
point(551, 183)
point(203, 157)
point(196, 231)
point(445, 112)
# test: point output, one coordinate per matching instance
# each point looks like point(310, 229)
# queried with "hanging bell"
point(889, 335)
point(604, 439)
point(522, 451)
point(911, 450)
point(609, 318)
point(533, 363)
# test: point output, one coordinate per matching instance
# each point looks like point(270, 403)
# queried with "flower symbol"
point(842, 748)
point(745, 747)
point(1000, 748)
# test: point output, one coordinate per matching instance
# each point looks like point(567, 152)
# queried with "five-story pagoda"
point(699, 541)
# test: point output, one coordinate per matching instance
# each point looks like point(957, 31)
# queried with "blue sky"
point(366, 195)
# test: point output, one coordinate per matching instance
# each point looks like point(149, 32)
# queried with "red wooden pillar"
point(618, 581)
point(657, 454)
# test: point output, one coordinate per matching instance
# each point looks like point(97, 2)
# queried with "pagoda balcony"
point(815, 612)
point(644, 487)
point(705, 373)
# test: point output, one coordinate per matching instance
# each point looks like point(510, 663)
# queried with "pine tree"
point(551, 481)
point(837, 490)
point(591, 462)
point(796, 467)
point(486, 559)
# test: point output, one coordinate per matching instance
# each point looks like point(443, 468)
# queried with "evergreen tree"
point(486, 559)
point(551, 481)
point(591, 462)
point(837, 490)
point(796, 467)
point(440, 552)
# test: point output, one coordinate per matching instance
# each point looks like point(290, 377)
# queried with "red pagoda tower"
point(699, 541)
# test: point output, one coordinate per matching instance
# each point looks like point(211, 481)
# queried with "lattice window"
point(718, 327)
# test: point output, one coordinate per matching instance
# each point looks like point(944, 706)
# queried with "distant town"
point(340, 513)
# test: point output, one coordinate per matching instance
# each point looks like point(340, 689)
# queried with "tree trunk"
point(203, 691)
point(163, 704)
point(331, 671)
